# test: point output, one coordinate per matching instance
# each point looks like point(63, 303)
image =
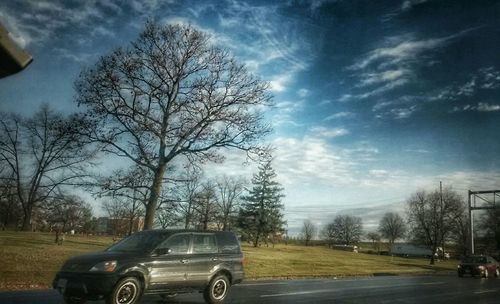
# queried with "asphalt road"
point(394, 289)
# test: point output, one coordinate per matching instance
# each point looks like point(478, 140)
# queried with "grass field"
point(30, 260)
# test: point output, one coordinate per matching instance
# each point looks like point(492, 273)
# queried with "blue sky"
point(373, 99)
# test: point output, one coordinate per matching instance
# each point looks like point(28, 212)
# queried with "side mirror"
point(162, 251)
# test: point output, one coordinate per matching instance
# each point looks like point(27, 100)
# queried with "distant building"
point(119, 226)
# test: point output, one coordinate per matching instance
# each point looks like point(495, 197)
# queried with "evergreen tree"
point(261, 216)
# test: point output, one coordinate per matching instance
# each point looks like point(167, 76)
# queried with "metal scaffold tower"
point(480, 200)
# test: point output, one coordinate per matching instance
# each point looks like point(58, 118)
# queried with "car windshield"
point(474, 260)
point(139, 242)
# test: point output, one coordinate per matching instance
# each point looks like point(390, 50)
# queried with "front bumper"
point(87, 285)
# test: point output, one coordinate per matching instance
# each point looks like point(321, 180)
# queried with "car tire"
point(217, 290)
point(74, 300)
point(485, 275)
point(127, 291)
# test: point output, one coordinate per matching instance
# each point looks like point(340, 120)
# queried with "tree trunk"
point(130, 224)
point(432, 254)
point(153, 197)
point(188, 216)
point(27, 219)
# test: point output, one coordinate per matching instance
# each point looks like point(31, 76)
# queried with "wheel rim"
point(126, 294)
point(219, 289)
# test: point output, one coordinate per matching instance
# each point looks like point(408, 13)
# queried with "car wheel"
point(485, 275)
point(126, 291)
point(217, 290)
point(74, 300)
point(497, 273)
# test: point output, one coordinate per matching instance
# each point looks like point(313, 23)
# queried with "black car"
point(162, 262)
point(481, 265)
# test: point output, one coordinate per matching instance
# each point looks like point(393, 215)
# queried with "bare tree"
point(66, 212)
point(392, 227)
point(205, 206)
point(171, 95)
point(10, 209)
point(229, 191)
point(431, 217)
point(42, 153)
point(308, 231)
point(460, 229)
point(375, 238)
point(345, 230)
point(187, 192)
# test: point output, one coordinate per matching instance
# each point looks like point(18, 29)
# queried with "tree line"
point(434, 219)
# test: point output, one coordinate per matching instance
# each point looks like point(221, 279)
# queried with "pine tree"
point(261, 215)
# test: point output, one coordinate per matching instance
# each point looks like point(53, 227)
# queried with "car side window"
point(179, 243)
point(204, 243)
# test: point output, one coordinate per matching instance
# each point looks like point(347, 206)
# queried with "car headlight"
point(481, 267)
point(108, 266)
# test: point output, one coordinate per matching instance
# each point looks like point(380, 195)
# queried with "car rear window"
point(228, 243)
point(474, 260)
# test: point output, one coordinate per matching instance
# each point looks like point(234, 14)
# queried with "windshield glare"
point(139, 242)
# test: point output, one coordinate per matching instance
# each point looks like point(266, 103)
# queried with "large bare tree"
point(432, 217)
point(344, 229)
point(392, 227)
point(169, 94)
point(309, 231)
point(42, 153)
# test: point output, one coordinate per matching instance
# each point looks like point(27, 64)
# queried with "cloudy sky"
point(373, 99)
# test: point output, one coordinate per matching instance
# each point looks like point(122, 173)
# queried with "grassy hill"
point(30, 260)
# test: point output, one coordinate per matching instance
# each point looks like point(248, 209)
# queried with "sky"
point(374, 100)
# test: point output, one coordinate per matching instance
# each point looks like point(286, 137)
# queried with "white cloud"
point(383, 77)
point(409, 4)
point(329, 133)
point(400, 50)
point(484, 79)
point(485, 107)
point(393, 63)
point(303, 92)
point(339, 115)
point(402, 113)
point(480, 107)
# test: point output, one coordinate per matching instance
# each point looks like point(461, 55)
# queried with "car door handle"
point(184, 261)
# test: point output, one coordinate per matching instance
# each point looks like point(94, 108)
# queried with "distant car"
point(161, 262)
point(481, 265)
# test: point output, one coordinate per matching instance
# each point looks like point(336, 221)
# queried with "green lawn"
point(29, 260)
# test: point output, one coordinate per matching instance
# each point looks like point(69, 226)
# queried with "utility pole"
point(442, 217)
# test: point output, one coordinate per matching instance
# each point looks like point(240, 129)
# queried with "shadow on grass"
point(384, 274)
point(426, 267)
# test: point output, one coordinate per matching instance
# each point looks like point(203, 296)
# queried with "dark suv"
point(162, 262)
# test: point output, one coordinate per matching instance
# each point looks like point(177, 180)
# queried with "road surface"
point(388, 289)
